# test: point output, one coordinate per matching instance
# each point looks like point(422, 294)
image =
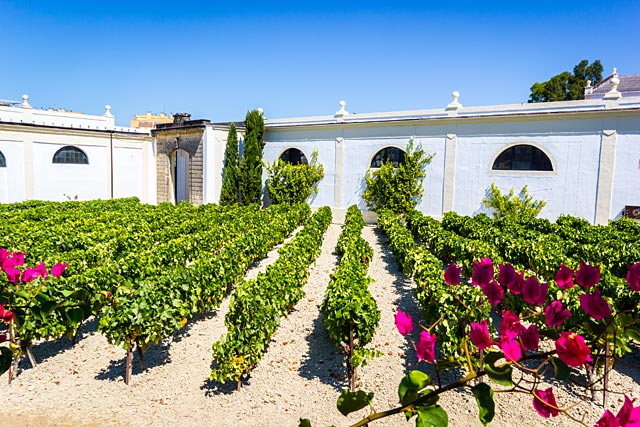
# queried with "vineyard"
point(142, 287)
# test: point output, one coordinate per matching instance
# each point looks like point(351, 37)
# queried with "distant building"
point(627, 85)
point(150, 120)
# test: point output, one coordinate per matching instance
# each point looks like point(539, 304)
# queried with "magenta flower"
point(8, 263)
point(508, 278)
point(544, 402)
point(510, 326)
point(534, 292)
point(627, 416)
point(555, 315)
point(530, 337)
point(482, 272)
point(41, 270)
point(479, 335)
point(511, 349)
point(564, 277)
point(493, 291)
point(425, 350)
point(18, 258)
point(633, 276)
point(404, 322)
point(452, 274)
point(6, 316)
point(58, 269)
point(594, 305)
point(587, 276)
point(29, 275)
point(13, 274)
point(572, 350)
point(3, 255)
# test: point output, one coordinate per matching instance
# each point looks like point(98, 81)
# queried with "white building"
point(582, 157)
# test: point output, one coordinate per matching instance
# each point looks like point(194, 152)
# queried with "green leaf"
point(633, 333)
point(411, 384)
point(498, 374)
point(304, 422)
point(484, 398)
point(432, 416)
point(75, 315)
point(6, 357)
point(560, 369)
point(349, 401)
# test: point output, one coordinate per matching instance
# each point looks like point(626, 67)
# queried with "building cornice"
point(44, 129)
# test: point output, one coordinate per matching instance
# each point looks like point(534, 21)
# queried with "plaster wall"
point(12, 177)
point(128, 175)
point(626, 177)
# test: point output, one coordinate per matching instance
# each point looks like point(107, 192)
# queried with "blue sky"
point(219, 60)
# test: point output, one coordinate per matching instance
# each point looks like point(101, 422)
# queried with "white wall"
point(12, 187)
point(626, 178)
point(127, 172)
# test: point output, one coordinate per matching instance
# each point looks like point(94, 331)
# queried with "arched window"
point(3, 161)
point(386, 155)
point(522, 158)
point(294, 156)
point(70, 155)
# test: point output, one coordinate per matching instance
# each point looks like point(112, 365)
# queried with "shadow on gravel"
point(156, 355)
point(324, 361)
point(47, 349)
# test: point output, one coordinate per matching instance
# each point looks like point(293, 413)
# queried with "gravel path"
point(301, 374)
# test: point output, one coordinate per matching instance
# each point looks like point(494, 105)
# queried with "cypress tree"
point(229, 194)
point(251, 164)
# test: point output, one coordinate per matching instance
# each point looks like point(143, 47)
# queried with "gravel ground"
point(301, 374)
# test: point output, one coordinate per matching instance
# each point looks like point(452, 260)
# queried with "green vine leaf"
point(498, 374)
point(432, 416)
point(484, 398)
point(349, 401)
point(560, 369)
point(411, 384)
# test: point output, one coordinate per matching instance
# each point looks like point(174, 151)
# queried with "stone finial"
point(614, 81)
point(25, 101)
point(107, 111)
point(341, 112)
point(454, 105)
point(261, 111)
point(588, 89)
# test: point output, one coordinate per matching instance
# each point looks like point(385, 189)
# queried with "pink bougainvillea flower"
point(18, 258)
point(3, 255)
point(452, 274)
point(627, 416)
point(41, 270)
point(607, 420)
point(564, 277)
point(587, 276)
point(534, 292)
point(3, 338)
point(572, 350)
point(29, 275)
point(479, 335)
point(633, 276)
point(482, 272)
point(530, 337)
point(594, 305)
point(5, 316)
point(510, 326)
point(555, 315)
point(425, 350)
point(404, 322)
point(508, 277)
point(8, 263)
point(493, 291)
point(13, 274)
point(511, 349)
point(544, 402)
point(58, 269)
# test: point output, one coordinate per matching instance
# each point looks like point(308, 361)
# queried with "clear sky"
point(217, 60)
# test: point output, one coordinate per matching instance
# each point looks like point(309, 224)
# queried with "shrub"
point(250, 175)
point(291, 184)
point(229, 194)
point(521, 206)
point(397, 188)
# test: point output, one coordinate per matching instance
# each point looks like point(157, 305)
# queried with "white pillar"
point(448, 192)
point(605, 176)
point(337, 184)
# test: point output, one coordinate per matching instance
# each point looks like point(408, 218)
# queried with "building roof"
point(629, 86)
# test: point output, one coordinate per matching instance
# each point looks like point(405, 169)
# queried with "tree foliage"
point(566, 86)
point(230, 192)
point(397, 188)
point(251, 164)
point(520, 206)
point(289, 183)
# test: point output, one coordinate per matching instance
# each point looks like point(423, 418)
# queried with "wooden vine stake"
point(607, 351)
point(351, 371)
point(127, 373)
point(32, 358)
point(140, 356)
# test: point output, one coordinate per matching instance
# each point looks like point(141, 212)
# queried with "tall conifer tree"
point(251, 164)
point(230, 192)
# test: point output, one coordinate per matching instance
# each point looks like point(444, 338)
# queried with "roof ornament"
point(341, 112)
point(588, 89)
point(614, 81)
point(25, 101)
point(261, 111)
point(107, 111)
point(454, 105)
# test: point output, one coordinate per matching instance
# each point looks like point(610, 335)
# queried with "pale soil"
point(300, 375)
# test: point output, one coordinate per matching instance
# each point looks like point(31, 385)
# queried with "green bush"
point(230, 192)
point(289, 183)
point(250, 170)
point(521, 206)
point(398, 188)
